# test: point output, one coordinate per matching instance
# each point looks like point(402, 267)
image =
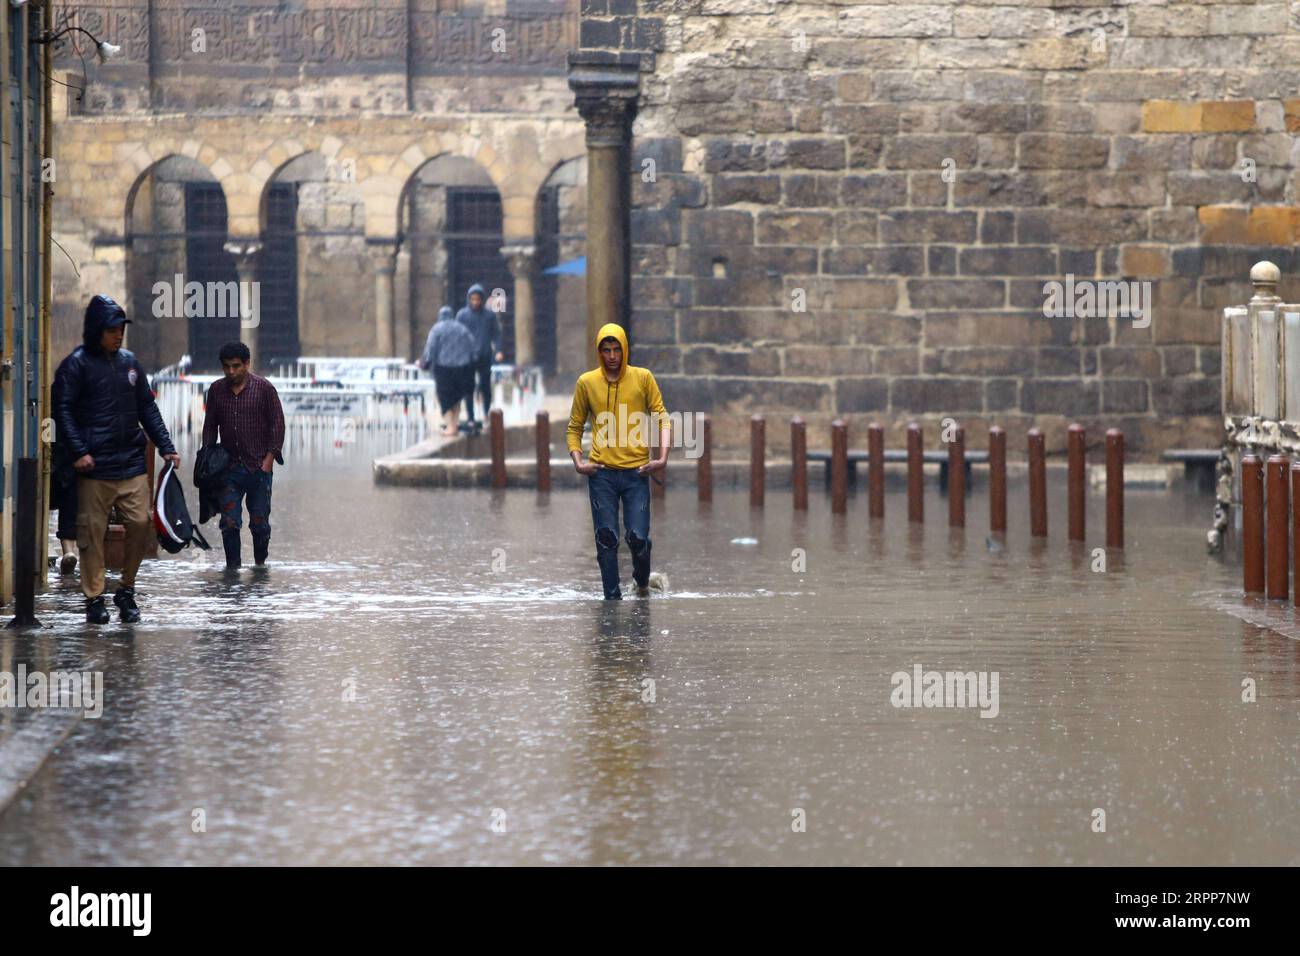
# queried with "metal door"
point(277, 333)
point(474, 252)
point(206, 260)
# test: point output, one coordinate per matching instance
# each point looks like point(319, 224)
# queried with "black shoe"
point(260, 551)
point(125, 601)
point(96, 613)
point(466, 428)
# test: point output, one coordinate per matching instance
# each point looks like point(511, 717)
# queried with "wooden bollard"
point(543, 451)
point(1037, 484)
point(1295, 528)
point(1279, 557)
point(957, 479)
point(875, 470)
point(1114, 488)
point(757, 451)
point(1252, 525)
point(498, 429)
point(799, 463)
point(1075, 489)
point(839, 467)
point(997, 480)
point(915, 463)
point(704, 469)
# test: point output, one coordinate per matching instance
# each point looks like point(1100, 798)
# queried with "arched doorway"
point(561, 291)
point(315, 275)
point(176, 230)
point(451, 221)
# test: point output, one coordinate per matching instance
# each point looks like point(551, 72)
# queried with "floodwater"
point(430, 677)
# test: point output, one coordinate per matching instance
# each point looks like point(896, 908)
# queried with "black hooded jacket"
point(103, 400)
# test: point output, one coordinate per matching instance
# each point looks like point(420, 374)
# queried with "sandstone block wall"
point(801, 147)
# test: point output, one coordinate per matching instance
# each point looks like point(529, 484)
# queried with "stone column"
point(383, 255)
point(522, 258)
point(407, 333)
point(606, 86)
point(246, 253)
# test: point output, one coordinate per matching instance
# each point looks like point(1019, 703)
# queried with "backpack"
point(171, 517)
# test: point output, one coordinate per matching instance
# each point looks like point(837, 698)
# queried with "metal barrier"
point(1260, 377)
point(344, 396)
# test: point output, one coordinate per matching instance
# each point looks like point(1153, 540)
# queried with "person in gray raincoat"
point(450, 354)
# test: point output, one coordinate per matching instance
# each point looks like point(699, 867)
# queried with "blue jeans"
point(255, 486)
point(609, 486)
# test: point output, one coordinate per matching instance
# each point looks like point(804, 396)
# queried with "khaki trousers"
point(95, 498)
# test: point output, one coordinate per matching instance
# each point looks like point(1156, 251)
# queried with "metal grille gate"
point(474, 252)
point(206, 260)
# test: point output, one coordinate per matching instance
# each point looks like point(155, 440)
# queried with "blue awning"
point(574, 267)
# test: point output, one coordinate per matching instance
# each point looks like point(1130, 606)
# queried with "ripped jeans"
point(254, 487)
point(609, 486)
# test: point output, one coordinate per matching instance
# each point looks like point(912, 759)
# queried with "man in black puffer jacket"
point(104, 400)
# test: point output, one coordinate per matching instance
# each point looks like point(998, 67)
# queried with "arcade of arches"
point(371, 251)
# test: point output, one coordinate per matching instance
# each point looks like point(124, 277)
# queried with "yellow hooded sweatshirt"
point(624, 412)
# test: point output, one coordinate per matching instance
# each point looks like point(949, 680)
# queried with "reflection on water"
point(381, 694)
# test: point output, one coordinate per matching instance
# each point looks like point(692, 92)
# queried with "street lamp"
point(107, 51)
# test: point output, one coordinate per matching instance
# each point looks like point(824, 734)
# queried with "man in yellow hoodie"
point(624, 404)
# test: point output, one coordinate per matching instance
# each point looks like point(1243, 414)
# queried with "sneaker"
point(466, 428)
point(68, 563)
point(96, 613)
point(125, 601)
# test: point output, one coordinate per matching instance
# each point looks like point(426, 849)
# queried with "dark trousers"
point(64, 498)
point(254, 487)
point(484, 372)
point(453, 383)
point(608, 487)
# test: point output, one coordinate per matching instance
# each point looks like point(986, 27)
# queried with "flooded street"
point(430, 677)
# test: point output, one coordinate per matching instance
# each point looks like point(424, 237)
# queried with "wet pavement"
point(429, 676)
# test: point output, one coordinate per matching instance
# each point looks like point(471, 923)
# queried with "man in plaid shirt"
point(245, 409)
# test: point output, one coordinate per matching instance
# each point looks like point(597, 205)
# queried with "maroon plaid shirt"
point(251, 423)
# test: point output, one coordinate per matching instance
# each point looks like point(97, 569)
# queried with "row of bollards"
point(997, 455)
point(1267, 546)
point(1076, 480)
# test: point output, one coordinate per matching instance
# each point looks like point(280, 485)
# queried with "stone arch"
point(144, 161)
point(163, 240)
point(560, 301)
point(312, 254)
point(434, 267)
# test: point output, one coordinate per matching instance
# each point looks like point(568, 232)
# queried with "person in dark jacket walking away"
point(450, 353)
point(104, 411)
point(487, 334)
point(245, 409)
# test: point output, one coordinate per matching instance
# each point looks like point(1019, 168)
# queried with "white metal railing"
point(345, 396)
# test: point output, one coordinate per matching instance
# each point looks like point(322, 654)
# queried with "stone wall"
point(326, 55)
point(800, 152)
